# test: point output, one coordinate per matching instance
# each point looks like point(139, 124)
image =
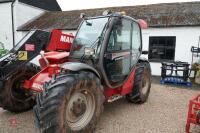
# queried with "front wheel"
point(71, 104)
point(142, 84)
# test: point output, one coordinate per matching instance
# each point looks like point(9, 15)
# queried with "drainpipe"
point(13, 24)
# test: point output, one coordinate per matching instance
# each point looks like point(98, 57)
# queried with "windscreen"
point(89, 34)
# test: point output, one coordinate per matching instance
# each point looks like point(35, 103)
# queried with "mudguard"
point(142, 59)
point(77, 66)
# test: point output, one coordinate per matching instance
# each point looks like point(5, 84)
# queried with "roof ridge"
point(157, 15)
point(137, 6)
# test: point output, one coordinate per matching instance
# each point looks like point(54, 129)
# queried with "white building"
point(173, 28)
point(15, 13)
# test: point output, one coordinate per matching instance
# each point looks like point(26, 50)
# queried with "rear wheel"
point(71, 104)
point(13, 97)
point(142, 84)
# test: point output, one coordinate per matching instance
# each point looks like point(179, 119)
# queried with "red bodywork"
point(59, 42)
point(62, 42)
point(126, 88)
point(194, 108)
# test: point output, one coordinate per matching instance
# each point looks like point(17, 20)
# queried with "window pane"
point(120, 37)
point(161, 48)
point(136, 40)
point(136, 43)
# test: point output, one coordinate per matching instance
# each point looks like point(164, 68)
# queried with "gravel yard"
point(164, 112)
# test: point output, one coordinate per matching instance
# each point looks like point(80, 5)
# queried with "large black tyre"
point(142, 84)
point(13, 97)
point(72, 103)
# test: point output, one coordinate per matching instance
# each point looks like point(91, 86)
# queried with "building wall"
point(6, 25)
point(185, 38)
point(23, 13)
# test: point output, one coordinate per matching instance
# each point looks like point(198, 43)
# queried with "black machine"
point(176, 73)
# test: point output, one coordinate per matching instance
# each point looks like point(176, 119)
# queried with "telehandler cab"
point(103, 64)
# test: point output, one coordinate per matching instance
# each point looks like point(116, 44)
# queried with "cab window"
point(120, 38)
point(136, 43)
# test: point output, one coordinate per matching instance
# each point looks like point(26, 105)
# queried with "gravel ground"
point(164, 112)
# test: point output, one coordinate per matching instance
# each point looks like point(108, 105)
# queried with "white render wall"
point(185, 38)
point(23, 13)
point(6, 25)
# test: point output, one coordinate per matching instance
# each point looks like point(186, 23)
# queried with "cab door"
point(117, 57)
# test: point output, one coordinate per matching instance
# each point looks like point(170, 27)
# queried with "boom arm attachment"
point(31, 46)
point(27, 49)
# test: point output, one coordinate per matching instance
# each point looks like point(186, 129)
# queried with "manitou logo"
point(66, 39)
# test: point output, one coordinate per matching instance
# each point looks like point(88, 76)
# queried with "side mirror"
point(145, 52)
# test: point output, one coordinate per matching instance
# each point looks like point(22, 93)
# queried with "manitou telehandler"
point(103, 64)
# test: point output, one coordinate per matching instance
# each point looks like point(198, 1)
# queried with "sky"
point(88, 4)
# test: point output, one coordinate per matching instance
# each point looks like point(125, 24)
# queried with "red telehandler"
point(103, 64)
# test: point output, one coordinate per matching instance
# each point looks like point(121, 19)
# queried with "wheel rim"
point(80, 109)
point(145, 83)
